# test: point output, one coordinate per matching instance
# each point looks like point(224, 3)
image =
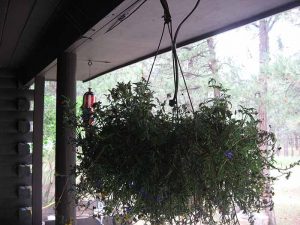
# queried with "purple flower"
point(128, 209)
point(229, 154)
point(159, 199)
point(143, 193)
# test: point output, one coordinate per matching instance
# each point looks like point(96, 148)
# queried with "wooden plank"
point(15, 170)
point(8, 105)
point(15, 105)
point(8, 149)
point(8, 171)
point(14, 201)
point(14, 182)
point(9, 195)
point(18, 104)
point(11, 198)
point(61, 32)
point(12, 159)
point(65, 154)
point(6, 138)
point(9, 216)
point(37, 160)
point(15, 157)
point(8, 127)
point(5, 73)
point(25, 215)
point(6, 83)
point(17, 19)
point(10, 116)
point(21, 149)
point(11, 94)
point(16, 126)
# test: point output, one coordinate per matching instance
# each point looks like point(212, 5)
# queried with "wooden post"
point(37, 156)
point(65, 157)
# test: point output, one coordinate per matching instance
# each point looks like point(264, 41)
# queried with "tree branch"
point(272, 21)
point(255, 24)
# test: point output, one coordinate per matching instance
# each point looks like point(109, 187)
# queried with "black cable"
point(186, 87)
point(173, 101)
point(175, 59)
point(115, 17)
point(171, 37)
point(167, 14)
point(156, 53)
point(120, 21)
point(175, 56)
point(167, 18)
point(185, 19)
point(133, 4)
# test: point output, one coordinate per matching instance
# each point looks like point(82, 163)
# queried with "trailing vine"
point(174, 166)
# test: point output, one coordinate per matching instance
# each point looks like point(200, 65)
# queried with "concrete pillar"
point(65, 157)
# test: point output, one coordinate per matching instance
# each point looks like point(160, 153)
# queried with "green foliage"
point(49, 119)
point(49, 146)
point(163, 165)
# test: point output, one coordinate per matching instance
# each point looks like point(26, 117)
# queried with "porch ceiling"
point(137, 37)
point(34, 32)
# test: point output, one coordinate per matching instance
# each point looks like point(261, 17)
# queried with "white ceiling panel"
point(137, 37)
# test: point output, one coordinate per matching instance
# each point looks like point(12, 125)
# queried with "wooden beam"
point(37, 156)
point(69, 23)
point(65, 157)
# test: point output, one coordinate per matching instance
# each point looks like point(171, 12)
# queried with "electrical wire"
point(156, 53)
point(111, 20)
point(126, 17)
point(57, 203)
point(176, 62)
point(128, 8)
point(185, 84)
point(185, 19)
point(173, 102)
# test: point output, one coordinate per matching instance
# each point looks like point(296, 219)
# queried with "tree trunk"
point(286, 146)
point(264, 59)
point(264, 52)
point(296, 142)
point(213, 64)
point(291, 141)
point(279, 140)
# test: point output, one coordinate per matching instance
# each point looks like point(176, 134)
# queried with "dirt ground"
point(287, 199)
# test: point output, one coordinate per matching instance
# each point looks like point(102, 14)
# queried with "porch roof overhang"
point(136, 38)
point(32, 37)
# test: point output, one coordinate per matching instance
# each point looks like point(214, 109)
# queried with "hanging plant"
point(173, 165)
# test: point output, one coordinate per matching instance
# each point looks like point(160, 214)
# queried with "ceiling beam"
point(71, 21)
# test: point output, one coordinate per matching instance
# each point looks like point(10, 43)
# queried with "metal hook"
point(90, 63)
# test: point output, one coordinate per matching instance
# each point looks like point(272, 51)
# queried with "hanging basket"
point(161, 165)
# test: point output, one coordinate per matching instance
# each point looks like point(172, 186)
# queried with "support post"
point(65, 157)
point(37, 156)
